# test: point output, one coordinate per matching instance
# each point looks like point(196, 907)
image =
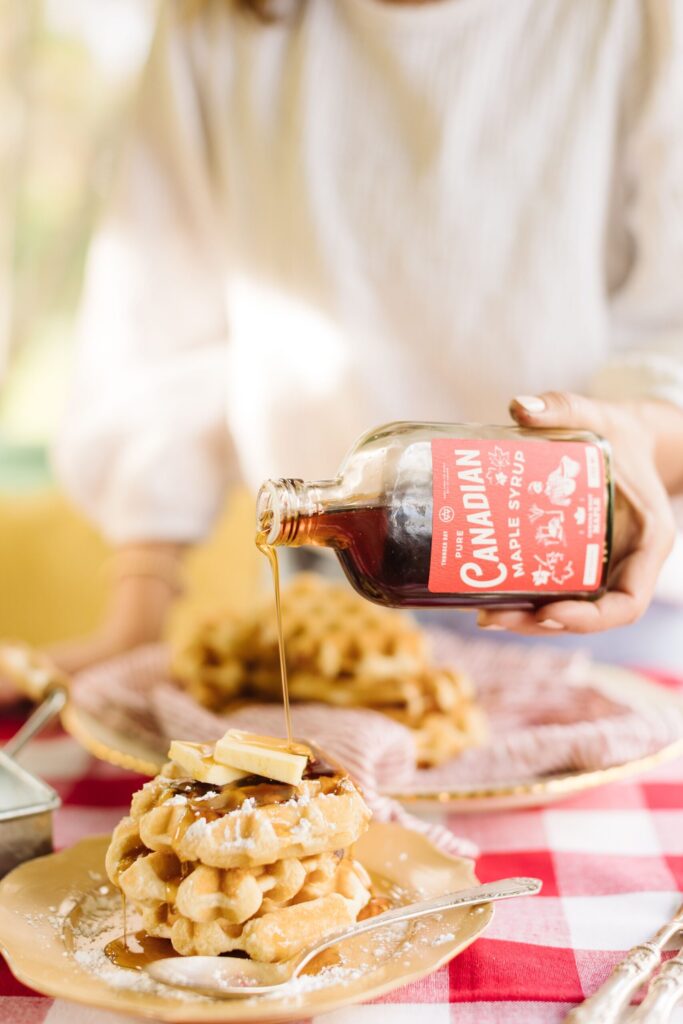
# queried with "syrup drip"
point(271, 554)
point(145, 949)
point(377, 905)
point(210, 802)
point(328, 958)
point(129, 859)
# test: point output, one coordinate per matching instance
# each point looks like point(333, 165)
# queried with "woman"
point(356, 211)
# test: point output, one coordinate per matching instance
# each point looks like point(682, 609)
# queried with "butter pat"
point(197, 760)
point(267, 756)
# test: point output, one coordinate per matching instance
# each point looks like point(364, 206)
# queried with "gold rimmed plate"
point(123, 749)
point(626, 686)
point(58, 912)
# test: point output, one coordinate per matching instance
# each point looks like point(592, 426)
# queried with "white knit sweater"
point(371, 212)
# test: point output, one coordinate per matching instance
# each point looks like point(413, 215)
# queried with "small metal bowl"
point(26, 806)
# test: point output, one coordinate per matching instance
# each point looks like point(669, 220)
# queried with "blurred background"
point(68, 76)
point(69, 69)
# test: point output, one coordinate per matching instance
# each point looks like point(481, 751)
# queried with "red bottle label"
point(517, 515)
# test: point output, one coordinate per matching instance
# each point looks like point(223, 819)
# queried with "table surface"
point(611, 862)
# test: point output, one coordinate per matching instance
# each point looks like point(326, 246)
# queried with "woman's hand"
point(645, 453)
point(8, 693)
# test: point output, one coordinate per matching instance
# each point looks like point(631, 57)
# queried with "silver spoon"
point(228, 977)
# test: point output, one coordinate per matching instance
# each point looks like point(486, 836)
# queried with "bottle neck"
point(288, 510)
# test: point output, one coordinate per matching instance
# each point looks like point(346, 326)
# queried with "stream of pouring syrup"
point(151, 949)
point(271, 554)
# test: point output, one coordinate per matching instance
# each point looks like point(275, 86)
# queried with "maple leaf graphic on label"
point(499, 462)
point(499, 459)
point(551, 568)
point(566, 574)
point(496, 476)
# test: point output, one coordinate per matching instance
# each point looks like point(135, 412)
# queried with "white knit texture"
point(373, 212)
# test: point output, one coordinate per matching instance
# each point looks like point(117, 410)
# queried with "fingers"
point(8, 692)
point(640, 550)
point(630, 593)
point(558, 409)
point(521, 621)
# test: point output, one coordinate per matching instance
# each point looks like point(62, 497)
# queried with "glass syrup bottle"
point(437, 514)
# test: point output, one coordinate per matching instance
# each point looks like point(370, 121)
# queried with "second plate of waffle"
point(442, 719)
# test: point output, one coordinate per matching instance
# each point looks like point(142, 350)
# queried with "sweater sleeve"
point(646, 359)
point(144, 448)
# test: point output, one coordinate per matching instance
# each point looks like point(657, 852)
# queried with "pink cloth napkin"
point(548, 713)
point(135, 695)
point(545, 715)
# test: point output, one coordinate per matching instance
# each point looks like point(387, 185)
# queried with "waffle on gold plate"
point(58, 915)
point(341, 650)
point(217, 858)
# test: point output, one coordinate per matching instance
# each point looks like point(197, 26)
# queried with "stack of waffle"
point(340, 650)
point(254, 864)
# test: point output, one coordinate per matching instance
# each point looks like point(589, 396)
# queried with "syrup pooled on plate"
point(136, 951)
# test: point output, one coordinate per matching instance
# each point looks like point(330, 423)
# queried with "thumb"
point(557, 409)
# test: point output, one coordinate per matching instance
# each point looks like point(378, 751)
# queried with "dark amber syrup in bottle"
point(385, 552)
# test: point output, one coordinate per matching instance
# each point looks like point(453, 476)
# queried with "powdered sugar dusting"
point(177, 800)
point(88, 921)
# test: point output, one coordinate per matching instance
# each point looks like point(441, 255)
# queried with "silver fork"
point(605, 1006)
point(664, 993)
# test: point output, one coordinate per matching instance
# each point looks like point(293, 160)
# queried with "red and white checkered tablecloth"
point(611, 862)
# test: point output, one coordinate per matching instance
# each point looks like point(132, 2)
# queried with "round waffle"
point(269, 912)
point(244, 826)
point(341, 650)
point(265, 871)
point(328, 631)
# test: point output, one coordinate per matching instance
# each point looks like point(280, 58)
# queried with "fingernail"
point(491, 625)
point(551, 624)
point(530, 403)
